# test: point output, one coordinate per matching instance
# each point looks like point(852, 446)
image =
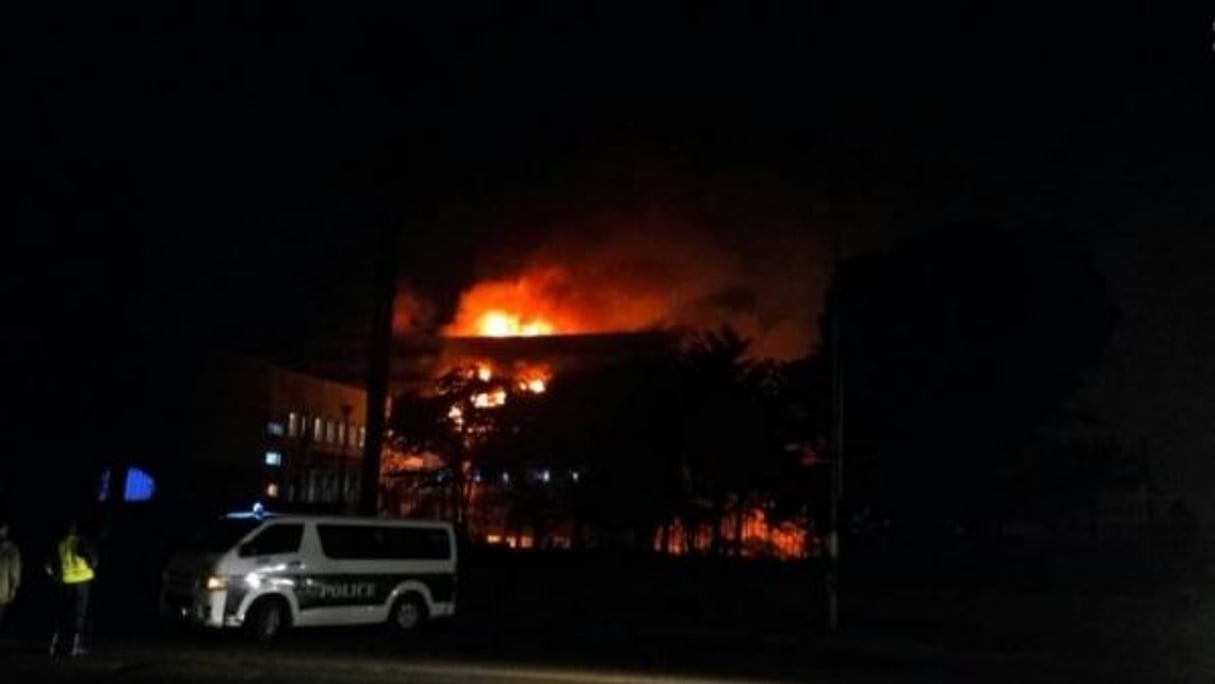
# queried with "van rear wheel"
point(408, 614)
point(267, 619)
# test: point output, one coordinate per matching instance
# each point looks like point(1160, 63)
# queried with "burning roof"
point(642, 279)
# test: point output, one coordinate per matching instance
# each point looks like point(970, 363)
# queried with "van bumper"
point(205, 609)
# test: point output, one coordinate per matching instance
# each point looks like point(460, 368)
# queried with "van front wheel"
point(408, 614)
point(266, 619)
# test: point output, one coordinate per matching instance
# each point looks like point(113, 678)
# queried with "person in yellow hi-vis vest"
point(73, 568)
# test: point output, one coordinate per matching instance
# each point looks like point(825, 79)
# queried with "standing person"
point(10, 571)
point(72, 568)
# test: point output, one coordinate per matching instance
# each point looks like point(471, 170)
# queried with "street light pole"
point(837, 433)
point(345, 476)
point(380, 353)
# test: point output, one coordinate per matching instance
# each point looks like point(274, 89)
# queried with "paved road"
point(349, 656)
point(139, 668)
point(223, 662)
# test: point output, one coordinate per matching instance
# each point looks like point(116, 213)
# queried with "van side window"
point(351, 542)
point(282, 538)
point(419, 543)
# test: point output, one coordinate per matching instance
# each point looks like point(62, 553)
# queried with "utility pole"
point(837, 432)
point(379, 356)
point(345, 473)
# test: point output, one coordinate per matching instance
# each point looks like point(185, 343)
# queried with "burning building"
point(486, 362)
point(497, 369)
point(620, 294)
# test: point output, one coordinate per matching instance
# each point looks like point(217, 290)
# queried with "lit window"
point(293, 424)
point(272, 490)
point(275, 429)
point(490, 399)
point(318, 427)
point(274, 458)
point(362, 436)
point(341, 433)
point(330, 431)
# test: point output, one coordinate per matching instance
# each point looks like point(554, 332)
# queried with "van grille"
point(181, 582)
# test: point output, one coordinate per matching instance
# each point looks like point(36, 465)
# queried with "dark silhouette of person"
point(10, 571)
point(1183, 533)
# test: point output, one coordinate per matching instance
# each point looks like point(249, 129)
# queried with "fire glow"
point(529, 305)
point(497, 323)
point(531, 378)
point(550, 300)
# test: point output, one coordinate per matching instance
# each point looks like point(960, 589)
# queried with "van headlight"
point(215, 583)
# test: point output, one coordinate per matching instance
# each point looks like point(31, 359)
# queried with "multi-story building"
point(233, 430)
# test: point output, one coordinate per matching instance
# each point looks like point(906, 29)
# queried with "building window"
point(330, 431)
point(293, 424)
point(272, 490)
point(362, 436)
point(274, 458)
point(275, 429)
point(318, 427)
point(341, 433)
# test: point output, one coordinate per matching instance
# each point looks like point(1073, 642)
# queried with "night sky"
point(218, 172)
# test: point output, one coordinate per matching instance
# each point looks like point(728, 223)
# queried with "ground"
point(577, 617)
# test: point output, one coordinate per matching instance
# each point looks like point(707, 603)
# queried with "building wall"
point(417, 358)
point(234, 430)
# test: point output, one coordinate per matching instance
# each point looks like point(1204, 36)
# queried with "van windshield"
point(221, 535)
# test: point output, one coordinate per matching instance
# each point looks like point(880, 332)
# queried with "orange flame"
point(485, 372)
point(648, 278)
point(533, 378)
point(497, 323)
point(491, 399)
point(549, 300)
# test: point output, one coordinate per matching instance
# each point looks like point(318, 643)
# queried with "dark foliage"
point(958, 346)
point(698, 435)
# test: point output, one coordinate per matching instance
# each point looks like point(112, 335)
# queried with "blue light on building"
point(138, 485)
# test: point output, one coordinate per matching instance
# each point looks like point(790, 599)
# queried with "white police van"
point(265, 572)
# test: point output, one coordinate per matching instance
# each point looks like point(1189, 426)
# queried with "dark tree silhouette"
point(702, 435)
point(736, 435)
point(802, 400)
point(455, 421)
point(617, 427)
point(958, 346)
point(1068, 475)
